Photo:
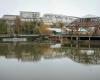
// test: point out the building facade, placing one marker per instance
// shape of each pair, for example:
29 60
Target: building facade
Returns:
11 22
29 16
53 18
10 19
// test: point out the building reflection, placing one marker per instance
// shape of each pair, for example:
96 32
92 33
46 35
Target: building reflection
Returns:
85 53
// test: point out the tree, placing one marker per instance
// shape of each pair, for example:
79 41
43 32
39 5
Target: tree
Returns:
17 24
61 25
3 27
27 27
44 29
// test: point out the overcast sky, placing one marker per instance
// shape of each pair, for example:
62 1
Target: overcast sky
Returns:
65 7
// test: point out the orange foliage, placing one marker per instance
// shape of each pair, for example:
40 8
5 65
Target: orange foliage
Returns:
44 29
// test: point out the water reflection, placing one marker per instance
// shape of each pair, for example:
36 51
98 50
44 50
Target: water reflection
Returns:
81 52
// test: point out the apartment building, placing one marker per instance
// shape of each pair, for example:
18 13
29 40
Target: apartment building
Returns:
29 16
54 18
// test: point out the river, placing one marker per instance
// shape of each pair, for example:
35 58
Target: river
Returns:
50 61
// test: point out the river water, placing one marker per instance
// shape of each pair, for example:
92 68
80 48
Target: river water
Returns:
50 61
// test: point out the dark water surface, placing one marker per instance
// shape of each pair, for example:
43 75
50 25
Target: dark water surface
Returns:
50 61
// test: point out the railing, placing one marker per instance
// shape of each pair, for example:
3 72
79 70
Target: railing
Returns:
5 35
17 35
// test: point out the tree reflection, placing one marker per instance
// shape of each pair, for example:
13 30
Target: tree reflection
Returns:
34 52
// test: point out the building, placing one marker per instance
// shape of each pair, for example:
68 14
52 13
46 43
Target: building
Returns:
11 22
10 19
29 16
87 26
53 18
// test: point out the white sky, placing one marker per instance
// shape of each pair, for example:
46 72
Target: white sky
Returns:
65 7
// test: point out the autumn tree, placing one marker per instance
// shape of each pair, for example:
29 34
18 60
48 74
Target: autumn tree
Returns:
44 29
17 24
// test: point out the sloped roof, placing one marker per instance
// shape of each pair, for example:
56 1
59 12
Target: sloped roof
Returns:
86 22
89 16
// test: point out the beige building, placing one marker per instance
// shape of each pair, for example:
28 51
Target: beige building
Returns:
11 22
10 19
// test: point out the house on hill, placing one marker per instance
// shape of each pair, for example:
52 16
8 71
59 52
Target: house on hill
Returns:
85 26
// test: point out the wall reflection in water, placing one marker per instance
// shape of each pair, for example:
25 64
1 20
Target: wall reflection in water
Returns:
81 52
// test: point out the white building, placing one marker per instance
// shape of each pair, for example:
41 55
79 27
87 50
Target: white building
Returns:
55 29
53 18
29 16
